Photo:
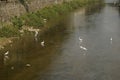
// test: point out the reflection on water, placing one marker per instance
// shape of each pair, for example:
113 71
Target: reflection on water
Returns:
78 48
27 51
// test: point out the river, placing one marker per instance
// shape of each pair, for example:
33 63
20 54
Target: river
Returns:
83 46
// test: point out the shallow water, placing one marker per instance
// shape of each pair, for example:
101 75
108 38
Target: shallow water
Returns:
63 56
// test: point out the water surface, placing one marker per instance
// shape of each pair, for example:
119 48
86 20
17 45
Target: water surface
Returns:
62 57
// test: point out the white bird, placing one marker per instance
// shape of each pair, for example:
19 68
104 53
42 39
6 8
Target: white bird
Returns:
6 58
83 48
45 20
43 43
28 65
6 53
36 33
111 39
80 39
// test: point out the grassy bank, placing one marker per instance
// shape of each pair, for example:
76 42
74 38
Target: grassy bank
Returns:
40 18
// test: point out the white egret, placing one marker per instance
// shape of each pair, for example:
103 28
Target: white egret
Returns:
36 33
43 43
83 48
111 39
28 65
80 39
6 53
45 20
6 57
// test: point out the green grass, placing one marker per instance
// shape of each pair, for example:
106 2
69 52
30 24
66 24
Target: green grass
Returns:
9 31
36 19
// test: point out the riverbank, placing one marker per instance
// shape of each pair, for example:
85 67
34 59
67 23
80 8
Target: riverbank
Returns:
37 20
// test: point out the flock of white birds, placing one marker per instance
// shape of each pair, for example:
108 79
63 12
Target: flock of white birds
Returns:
6 54
84 48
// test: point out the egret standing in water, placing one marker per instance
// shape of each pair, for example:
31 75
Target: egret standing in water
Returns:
111 39
45 20
6 53
80 39
43 43
36 34
27 65
6 57
83 48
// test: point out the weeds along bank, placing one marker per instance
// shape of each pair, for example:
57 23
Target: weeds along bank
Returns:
39 18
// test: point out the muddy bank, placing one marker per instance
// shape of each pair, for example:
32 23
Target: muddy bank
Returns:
6 41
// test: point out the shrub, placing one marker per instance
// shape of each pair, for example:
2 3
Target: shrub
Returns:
34 20
8 31
17 22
